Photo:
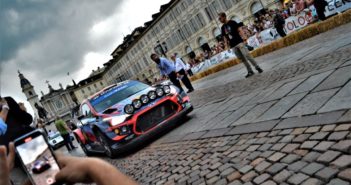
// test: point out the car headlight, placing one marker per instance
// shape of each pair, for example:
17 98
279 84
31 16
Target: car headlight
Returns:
144 99
116 120
152 95
167 89
129 109
136 104
159 92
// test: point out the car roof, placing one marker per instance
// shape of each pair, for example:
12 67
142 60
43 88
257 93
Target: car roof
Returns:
109 87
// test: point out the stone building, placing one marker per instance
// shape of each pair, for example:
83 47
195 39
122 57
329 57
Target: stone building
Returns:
186 27
91 85
58 102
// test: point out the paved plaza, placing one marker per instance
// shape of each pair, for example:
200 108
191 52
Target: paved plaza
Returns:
288 125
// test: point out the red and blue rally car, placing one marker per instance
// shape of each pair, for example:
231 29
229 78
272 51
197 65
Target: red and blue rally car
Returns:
125 115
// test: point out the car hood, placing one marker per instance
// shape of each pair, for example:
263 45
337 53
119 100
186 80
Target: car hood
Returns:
118 108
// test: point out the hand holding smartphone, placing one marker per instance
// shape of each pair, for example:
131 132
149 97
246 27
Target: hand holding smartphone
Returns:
37 158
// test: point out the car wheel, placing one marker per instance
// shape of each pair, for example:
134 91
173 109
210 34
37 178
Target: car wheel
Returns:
106 144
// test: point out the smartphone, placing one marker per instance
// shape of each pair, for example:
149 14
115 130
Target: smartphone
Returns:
37 158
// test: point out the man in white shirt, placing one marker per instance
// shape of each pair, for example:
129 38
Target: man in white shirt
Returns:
180 68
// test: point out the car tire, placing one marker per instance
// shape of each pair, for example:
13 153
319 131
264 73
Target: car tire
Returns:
106 143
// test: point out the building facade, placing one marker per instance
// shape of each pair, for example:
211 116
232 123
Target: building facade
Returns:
91 85
58 102
181 26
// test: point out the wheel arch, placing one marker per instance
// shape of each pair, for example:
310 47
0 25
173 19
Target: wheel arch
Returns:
79 136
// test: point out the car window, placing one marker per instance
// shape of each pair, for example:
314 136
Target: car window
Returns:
85 110
116 95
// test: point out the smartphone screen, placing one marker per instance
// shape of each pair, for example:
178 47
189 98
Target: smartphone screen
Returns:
37 158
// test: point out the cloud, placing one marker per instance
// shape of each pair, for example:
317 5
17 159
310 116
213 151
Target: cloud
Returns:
47 39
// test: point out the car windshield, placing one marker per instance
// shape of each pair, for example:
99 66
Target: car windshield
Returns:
53 136
116 94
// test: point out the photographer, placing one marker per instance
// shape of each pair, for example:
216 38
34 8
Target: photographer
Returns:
4 109
73 170
17 121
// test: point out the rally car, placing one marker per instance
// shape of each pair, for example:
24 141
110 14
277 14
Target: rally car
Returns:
124 116
40 166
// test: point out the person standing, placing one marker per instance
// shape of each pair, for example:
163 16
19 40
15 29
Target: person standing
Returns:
62 127
279 23
17 121
230 31
167 69
320 8
180 70
4 109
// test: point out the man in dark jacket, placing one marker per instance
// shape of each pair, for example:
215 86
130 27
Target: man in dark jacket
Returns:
17 121
279 23
320 8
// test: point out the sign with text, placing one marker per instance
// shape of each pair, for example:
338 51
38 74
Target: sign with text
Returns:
337 6
297 22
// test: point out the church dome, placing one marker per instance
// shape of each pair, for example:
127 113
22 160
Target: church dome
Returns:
24 81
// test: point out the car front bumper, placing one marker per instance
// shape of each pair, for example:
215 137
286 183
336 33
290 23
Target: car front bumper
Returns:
140 140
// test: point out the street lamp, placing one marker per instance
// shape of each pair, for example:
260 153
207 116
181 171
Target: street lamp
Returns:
161 49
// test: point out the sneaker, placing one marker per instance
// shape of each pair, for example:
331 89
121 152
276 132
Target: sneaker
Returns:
259 70
249 74
189 91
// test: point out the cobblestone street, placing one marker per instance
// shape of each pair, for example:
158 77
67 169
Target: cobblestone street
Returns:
288 125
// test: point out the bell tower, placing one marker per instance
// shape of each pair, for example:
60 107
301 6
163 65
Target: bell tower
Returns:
28 90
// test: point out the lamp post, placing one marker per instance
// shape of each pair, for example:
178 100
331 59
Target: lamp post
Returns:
159 49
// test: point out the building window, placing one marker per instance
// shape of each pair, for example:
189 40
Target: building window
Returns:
208 13
145 61
194 25
200 20
30 93
226 4
102 84
83 91
95 86
89 89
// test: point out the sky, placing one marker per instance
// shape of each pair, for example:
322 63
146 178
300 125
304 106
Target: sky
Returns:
47 39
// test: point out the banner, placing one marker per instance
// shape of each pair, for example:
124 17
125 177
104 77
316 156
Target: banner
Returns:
297 22
337 6
264 37
220 57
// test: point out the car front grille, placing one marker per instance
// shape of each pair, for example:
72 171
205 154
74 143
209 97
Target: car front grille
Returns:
155 116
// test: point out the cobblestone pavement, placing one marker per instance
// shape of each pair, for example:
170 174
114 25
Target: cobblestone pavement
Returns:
288 125
307 155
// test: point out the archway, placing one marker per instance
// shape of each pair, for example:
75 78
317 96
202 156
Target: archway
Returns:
217 34
190 52
236 19
257 9
203 44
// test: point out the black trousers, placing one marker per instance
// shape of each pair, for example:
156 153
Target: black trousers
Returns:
320 13
173 78
68 142
186 80
281 31
190 72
